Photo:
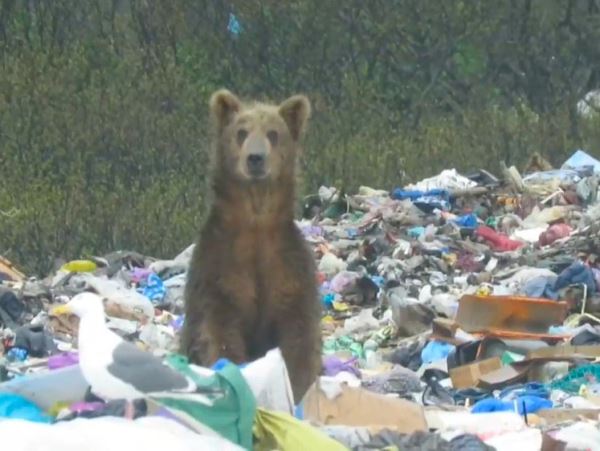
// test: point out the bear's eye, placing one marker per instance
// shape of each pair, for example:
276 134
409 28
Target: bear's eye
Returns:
272 135
241 136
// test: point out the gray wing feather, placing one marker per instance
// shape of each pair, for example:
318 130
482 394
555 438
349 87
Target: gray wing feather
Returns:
144 371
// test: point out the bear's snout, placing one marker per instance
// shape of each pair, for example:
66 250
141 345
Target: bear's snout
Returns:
256 164
255 155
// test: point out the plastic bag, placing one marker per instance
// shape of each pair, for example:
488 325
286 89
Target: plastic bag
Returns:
17 407
119 297
282 431
227 404
448 179
436 350
108 434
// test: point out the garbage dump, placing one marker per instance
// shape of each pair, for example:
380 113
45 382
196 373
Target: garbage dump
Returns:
459 312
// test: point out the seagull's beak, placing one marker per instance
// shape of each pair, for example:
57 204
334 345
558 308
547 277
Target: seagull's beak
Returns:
61 310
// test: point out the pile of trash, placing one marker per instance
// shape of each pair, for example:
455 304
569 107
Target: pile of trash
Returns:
460 311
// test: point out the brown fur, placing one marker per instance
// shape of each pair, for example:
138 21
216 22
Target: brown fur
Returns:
537 163
251 285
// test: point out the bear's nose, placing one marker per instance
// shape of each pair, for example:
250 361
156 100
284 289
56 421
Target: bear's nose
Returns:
256 162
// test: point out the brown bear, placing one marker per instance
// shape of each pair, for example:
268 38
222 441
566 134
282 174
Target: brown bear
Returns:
251 284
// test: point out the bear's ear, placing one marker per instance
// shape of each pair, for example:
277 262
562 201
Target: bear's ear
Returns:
295 111
223 106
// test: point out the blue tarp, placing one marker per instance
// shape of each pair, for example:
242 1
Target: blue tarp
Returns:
581 159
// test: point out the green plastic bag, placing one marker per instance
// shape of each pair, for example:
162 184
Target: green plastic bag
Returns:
227 404
278 430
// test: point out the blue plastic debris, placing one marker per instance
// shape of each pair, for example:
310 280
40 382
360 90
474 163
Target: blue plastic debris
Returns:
17 407
234 26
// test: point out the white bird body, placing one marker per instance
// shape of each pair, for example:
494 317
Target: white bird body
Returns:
114 368
94 362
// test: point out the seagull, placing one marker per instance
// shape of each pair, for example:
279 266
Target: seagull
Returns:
113 367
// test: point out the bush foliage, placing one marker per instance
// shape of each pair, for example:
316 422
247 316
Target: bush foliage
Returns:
103 103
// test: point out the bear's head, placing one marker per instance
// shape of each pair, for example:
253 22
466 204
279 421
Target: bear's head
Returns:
258 143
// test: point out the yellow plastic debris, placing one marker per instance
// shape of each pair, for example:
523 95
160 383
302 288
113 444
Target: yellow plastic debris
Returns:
328 319
55 409
340 306
79 266
278 430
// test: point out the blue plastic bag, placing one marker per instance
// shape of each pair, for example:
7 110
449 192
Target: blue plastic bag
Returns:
524 404
466 221
17 407
154 289
425 200
233 26
436 350
416 232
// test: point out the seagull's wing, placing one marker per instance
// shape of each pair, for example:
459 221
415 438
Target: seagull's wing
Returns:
145 372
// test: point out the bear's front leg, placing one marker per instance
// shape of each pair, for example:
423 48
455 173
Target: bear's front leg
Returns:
300 344
211 337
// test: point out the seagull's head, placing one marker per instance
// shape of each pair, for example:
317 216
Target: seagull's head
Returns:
83 304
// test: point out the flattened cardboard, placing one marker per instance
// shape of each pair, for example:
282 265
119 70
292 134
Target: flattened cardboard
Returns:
509 313
467 376
554 416
9 269
566 351
359 407
506 375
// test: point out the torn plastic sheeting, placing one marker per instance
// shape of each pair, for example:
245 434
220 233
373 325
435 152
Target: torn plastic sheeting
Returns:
18 407
108 433
117 294
46 389
509 313
274 430
581 435
581 159
484 425
448 179
564 175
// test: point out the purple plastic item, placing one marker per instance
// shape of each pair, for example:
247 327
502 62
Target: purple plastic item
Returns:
343 280
333 365
79 407
62 360
312 230
139 274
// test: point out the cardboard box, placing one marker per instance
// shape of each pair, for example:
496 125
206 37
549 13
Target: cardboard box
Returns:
566 351
509 374
514 314
554 416
467 376
359 407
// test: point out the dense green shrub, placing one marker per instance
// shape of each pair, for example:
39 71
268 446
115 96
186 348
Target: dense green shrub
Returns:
104 138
